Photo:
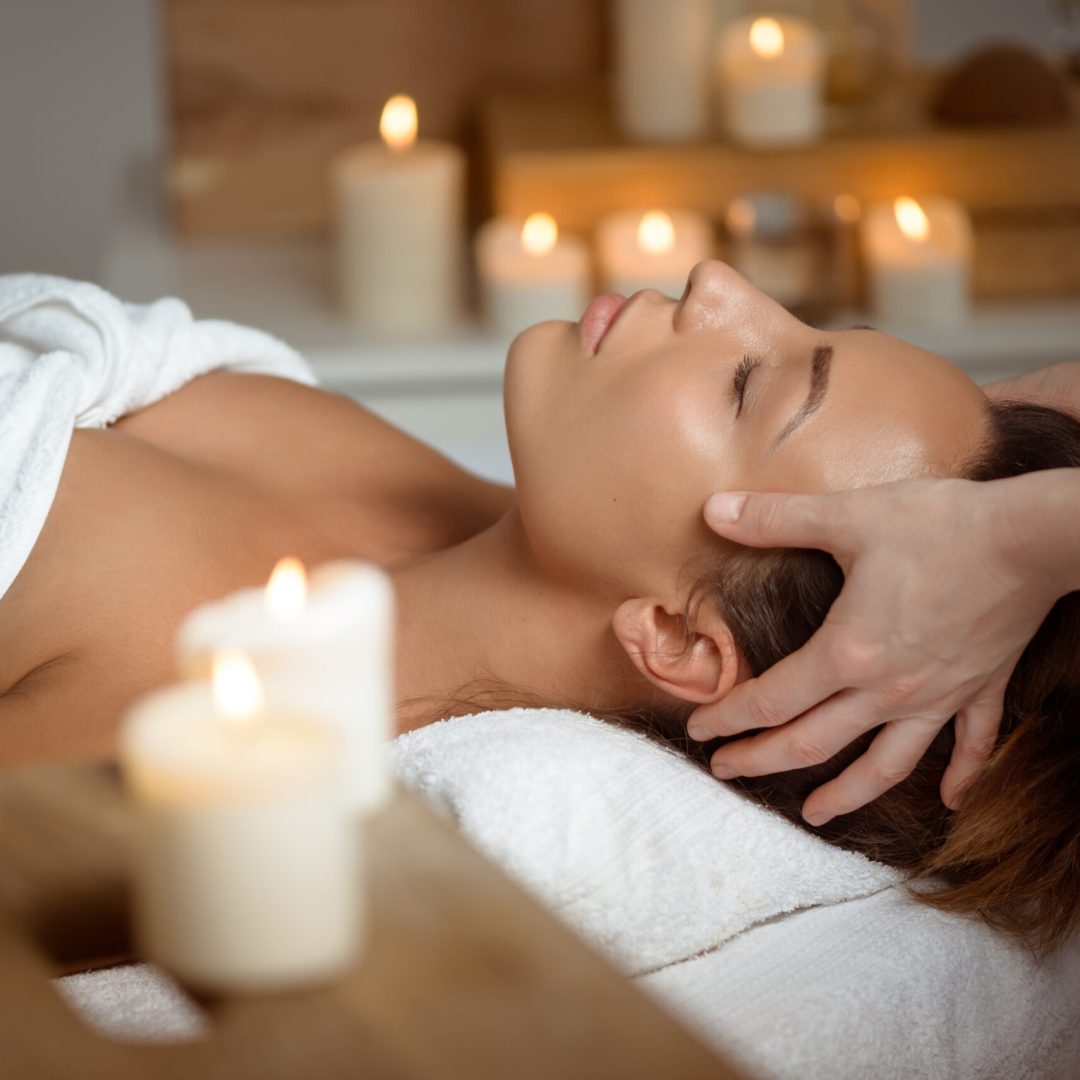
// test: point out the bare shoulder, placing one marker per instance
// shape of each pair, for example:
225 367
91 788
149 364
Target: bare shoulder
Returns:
294 437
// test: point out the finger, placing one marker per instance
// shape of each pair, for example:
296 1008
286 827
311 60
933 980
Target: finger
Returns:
809 740
890 758
791 687
977 728
765 519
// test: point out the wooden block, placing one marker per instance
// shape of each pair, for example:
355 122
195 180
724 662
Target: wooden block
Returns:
464 977
561 152
263 93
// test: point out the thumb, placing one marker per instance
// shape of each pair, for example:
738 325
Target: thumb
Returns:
765 519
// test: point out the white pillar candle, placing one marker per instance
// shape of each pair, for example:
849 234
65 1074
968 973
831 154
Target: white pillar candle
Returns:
771 76
918 260
326 650
530 272
399 207
656 249
662 68
247 869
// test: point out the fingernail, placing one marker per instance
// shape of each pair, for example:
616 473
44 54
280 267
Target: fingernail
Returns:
723 771
817 818
698 731
724 506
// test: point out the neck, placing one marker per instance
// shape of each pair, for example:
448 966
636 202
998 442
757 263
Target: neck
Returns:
481 616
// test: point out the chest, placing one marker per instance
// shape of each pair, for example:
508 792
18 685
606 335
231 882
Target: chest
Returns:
187 503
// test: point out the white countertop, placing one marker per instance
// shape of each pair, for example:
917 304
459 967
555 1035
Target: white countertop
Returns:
285 287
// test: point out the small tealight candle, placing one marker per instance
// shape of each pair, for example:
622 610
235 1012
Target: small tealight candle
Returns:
400 206
918 260
662 68
323 649
529 272
771 78
247 870
652 250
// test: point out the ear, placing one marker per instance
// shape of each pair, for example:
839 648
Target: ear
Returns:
701 667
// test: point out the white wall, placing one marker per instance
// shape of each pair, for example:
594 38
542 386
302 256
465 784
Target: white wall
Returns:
81 101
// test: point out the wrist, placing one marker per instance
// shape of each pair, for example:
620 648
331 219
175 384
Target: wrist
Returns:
1041 528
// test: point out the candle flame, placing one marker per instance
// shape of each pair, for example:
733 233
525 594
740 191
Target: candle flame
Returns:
767 38
237 692
286 591
911 218
539 234
398 123
656 233
847 208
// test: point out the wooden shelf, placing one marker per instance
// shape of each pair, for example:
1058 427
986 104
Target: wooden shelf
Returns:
560 152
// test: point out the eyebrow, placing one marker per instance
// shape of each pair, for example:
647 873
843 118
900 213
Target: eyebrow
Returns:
819 383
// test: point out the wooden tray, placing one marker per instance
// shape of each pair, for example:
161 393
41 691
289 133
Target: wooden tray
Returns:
465 976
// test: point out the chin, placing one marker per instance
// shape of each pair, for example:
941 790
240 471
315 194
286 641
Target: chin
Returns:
533 380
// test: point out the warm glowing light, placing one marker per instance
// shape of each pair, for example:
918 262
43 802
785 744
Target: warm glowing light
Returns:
539 233
398 123
911 218
741 217
847 208
767 38
237 693
656 234
286 591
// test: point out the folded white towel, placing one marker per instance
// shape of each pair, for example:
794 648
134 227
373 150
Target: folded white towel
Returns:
641 852
801 960
73 355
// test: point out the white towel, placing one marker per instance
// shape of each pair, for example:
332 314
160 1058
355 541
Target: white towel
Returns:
646 856
73 355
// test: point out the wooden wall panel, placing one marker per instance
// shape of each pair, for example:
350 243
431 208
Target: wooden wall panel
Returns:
263 93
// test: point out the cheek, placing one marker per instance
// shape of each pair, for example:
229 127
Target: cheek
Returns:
613 491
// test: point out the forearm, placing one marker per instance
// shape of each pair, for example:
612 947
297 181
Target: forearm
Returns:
1043 518
1057 385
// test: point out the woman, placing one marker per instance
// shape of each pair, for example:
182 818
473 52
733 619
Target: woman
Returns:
594 584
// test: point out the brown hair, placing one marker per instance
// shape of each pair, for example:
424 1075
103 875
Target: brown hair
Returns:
1011 854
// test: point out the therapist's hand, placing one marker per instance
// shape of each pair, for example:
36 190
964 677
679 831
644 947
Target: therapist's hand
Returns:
936 608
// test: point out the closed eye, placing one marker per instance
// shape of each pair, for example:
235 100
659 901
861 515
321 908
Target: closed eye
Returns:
742 373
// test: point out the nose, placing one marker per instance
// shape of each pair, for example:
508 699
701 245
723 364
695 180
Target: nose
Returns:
714 293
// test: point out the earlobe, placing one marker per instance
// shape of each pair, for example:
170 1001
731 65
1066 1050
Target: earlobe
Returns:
700 666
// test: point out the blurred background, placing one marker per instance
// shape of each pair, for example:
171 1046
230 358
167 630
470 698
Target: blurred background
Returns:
226 151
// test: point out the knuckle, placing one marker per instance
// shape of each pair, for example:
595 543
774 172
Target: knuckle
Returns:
763 714
805 751
977 748
901 690
857 661
886 774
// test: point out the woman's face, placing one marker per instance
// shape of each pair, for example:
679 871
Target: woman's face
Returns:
615 453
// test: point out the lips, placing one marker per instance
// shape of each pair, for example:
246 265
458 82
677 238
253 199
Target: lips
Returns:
598 318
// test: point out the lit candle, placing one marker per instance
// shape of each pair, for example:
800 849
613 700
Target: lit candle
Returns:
918 260
400 211
656 249
771 72
662 68
325 650
247 869
530 272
